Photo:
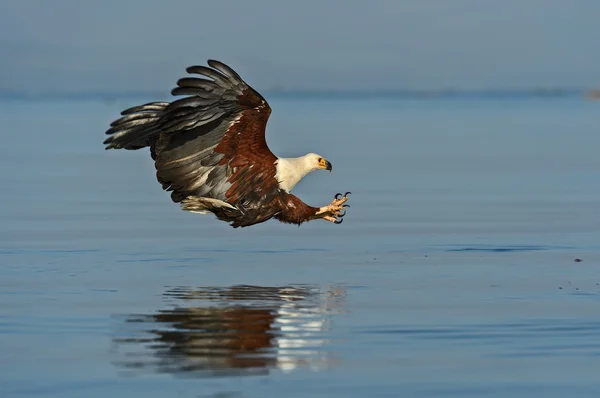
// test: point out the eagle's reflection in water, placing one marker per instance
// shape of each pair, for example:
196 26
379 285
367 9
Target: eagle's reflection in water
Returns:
236 330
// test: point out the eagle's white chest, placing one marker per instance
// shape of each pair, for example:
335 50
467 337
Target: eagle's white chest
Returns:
290 171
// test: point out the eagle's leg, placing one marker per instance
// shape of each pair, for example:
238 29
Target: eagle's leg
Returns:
333 211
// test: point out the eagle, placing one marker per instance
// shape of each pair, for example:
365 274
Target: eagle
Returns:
209 150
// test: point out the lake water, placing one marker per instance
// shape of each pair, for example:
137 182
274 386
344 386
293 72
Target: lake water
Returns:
454 273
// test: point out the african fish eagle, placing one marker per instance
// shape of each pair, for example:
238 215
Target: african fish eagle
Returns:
209 150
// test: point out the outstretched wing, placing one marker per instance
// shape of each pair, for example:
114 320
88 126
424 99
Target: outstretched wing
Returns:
212 142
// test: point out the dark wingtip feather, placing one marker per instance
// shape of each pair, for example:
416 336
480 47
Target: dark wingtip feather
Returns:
224 69
150 106
135 127
214 74
108 140
192 68
195 82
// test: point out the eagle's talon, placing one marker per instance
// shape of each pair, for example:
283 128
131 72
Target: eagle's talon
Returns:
347 193
336 210
341 220
339 200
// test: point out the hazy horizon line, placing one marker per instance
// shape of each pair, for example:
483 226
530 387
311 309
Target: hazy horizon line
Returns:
349 93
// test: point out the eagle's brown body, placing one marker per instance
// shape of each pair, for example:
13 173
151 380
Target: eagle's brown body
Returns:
210 150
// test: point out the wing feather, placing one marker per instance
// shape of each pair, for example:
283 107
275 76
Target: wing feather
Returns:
151 106
210 142
137 126
216 127
225 70
219 78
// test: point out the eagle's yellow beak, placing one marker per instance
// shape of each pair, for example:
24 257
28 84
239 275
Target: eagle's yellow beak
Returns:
324 164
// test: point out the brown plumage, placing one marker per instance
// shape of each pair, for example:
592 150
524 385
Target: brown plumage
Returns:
210 151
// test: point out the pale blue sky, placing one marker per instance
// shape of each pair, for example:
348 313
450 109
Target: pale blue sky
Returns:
108 45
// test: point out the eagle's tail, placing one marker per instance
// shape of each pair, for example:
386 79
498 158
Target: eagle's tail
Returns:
136 128
202 205
223 210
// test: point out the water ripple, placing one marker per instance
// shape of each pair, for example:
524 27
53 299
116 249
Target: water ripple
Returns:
561 337
502 249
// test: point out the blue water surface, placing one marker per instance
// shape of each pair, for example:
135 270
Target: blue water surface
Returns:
454 273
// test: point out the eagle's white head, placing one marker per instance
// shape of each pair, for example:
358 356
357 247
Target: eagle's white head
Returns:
292 170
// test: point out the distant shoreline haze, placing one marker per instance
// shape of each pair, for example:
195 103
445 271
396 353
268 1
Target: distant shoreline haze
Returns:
423 94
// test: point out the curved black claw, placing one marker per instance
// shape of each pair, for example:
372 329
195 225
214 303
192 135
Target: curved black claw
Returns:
337 196
345 205
341 220
342 214
347 193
